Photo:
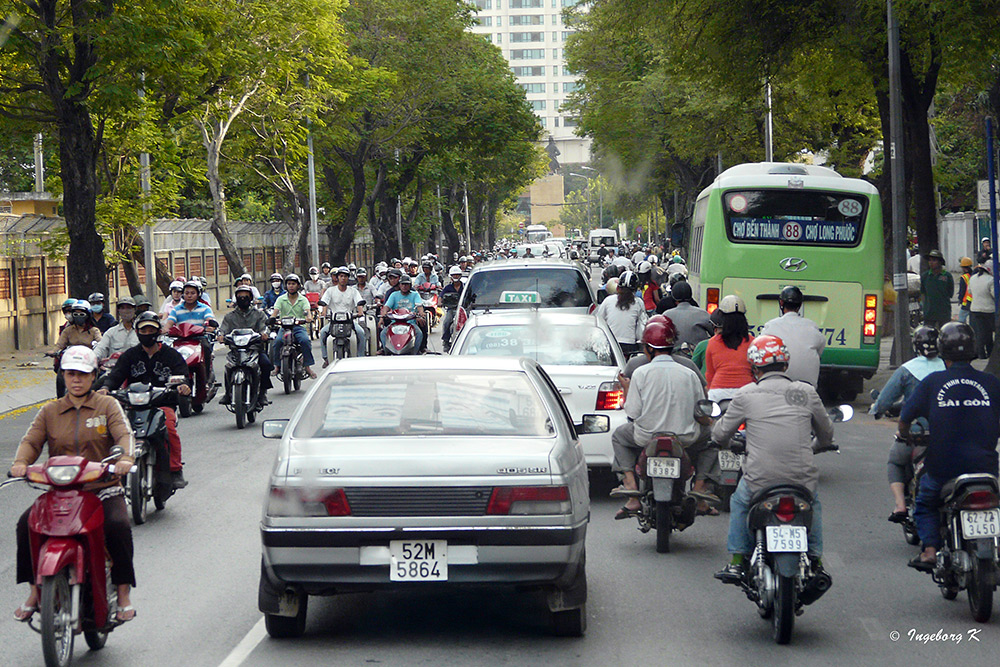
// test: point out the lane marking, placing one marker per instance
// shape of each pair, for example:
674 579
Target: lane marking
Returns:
873 628
246 645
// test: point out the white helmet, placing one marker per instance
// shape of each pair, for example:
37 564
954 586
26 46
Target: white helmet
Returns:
644 267
176 285
732 303
78 358
653 259
455 271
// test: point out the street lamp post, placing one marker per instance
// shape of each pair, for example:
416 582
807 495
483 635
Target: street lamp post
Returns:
901 348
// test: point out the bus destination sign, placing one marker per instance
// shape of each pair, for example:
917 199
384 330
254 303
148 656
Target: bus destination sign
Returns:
770 230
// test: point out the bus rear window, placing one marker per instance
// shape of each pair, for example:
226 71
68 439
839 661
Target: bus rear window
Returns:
795 217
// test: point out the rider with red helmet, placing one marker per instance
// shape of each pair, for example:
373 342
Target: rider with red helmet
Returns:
661 399
780 414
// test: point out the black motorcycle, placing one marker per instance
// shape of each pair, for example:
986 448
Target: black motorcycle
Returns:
291 365
243 375
150 478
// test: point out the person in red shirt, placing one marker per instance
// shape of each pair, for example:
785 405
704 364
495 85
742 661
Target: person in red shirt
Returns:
726 365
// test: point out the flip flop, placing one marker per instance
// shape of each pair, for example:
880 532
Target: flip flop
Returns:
622 492
921 565
707 511
626 513
24 613
898 517
125 610
708 497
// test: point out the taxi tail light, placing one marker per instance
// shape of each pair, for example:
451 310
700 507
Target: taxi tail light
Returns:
610 396
593 307
461 317
285 501
980 500
529 500
711 299
869 323
785 511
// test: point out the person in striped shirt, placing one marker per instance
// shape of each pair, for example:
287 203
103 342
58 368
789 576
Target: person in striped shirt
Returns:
190 310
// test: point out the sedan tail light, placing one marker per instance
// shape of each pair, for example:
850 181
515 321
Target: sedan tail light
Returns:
610 396
520 500
288 501
461 317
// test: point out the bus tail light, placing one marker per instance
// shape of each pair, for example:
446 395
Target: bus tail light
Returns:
869 324
711 299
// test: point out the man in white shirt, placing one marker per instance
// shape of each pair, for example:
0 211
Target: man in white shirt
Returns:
342 298
801 336
121 336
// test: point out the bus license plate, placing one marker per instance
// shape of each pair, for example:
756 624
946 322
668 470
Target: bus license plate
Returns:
786 538
730 461
981 524
664 467
418 560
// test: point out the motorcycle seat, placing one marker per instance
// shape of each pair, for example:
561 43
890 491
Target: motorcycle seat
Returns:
781 489
948 490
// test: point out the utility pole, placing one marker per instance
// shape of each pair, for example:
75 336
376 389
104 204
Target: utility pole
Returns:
768 126
465 202
901 343
149 256
313 222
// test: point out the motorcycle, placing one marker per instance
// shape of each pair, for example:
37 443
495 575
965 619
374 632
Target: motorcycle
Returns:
401 335
60 384
187 339
151 478
780 578
66 528
449 302
243 374
918 443
291 365
316 323
341 343
432 311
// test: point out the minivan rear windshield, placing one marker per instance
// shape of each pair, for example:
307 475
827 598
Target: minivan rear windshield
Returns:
555 288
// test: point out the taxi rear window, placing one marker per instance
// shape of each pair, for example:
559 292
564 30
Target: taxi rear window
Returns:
556 288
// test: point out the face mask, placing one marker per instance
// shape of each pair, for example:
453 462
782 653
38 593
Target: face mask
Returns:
147 339
80 319
276 285
126 315
243 302
98 308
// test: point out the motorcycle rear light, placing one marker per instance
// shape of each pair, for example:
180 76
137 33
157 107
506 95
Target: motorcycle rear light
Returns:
869 322
711 299
62 475
786 509
610 396
980 500
522 500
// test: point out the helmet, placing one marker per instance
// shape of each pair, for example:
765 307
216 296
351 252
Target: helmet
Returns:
732 304
142 300
313 271
675 278
653 259
407 261
659 333
147 318
454 271
343 269
176 285
78 358
81 304
246 276
405 280
677 259
965 262
126 301
628 280
193 283
275 276
791 296
68 304
381 270
957 342
243 288
203 280
293 277
394 272
936 254
362 271
325 265
352 266
96 297
925 341
681 291
427 264
766 351
644 267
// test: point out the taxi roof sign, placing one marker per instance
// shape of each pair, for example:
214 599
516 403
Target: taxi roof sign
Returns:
520 297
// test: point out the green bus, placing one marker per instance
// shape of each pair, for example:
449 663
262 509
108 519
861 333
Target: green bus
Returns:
761 227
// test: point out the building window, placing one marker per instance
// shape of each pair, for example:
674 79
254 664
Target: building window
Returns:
570 86
537 105
525 4
499 21
527 37
485 20
533 87
566 33
55 279
527 19
555 53
29 281
483 4
555 36
527 54
542 122
488 38
528 71
570 122
555 121
499 38
556 19
566 71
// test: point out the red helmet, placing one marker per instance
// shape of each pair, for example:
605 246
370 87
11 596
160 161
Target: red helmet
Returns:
660 332
767 350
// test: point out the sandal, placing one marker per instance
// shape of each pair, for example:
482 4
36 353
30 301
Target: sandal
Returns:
125 610
626 513
702 495
24 613
704 509
622 492
921 565
898 517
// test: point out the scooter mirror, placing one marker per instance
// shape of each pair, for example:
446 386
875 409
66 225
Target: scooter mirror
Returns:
114 454
842 413
707 408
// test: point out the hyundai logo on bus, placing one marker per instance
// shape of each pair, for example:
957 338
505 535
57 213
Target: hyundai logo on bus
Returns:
793 264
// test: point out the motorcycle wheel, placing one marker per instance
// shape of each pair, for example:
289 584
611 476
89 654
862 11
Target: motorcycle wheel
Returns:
57 633
286 373
197 407
981 584
297 375
784 609
664 524
184 406
239 404
724 493
137 492
95 639
60 386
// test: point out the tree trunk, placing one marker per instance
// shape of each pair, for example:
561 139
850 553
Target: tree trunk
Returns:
452 239
220 222
163 274
341 236
85 267
131 277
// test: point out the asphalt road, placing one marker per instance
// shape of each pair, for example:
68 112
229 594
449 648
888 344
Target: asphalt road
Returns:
198 561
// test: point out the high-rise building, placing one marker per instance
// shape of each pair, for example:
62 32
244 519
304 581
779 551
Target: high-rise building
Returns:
532 36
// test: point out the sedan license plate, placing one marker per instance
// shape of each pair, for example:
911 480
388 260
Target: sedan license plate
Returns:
418 560
664 467
985 523
730 461
786 538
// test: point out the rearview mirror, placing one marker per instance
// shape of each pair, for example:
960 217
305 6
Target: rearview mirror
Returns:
707 408
175 380
273 428
841 413
594 424
114 454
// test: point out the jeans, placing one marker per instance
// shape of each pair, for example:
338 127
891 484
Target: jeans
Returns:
449 320
302 338
742 541
359 331
925 511
963 315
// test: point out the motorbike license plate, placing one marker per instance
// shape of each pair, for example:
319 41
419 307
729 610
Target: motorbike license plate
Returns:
667 467
730 461
985 523
418 560
786 538
400 329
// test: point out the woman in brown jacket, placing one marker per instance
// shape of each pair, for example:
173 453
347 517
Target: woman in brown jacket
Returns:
82 423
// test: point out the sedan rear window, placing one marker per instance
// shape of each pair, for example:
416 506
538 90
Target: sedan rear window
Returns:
559 345
554 287
412 403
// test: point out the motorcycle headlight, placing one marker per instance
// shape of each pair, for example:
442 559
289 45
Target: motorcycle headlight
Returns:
62 475
242 341
186 352
138 398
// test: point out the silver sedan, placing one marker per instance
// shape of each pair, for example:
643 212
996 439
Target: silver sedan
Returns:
426 471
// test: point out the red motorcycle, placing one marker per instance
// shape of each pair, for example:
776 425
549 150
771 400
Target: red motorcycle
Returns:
187 339
66 534
400 337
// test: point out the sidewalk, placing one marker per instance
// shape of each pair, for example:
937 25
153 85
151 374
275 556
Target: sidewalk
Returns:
26 379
